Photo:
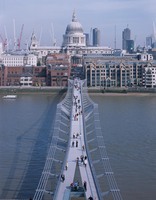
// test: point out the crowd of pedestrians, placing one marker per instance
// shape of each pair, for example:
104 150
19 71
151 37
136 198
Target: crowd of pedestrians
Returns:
76 141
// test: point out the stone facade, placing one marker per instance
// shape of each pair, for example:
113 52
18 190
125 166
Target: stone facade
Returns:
119 73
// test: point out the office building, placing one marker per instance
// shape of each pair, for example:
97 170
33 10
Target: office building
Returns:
119 72
87 39
130 46
149 42
126 35
96 37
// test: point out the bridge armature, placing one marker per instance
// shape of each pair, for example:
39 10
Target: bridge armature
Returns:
77 165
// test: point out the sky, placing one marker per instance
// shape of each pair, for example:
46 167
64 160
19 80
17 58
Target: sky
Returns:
48 17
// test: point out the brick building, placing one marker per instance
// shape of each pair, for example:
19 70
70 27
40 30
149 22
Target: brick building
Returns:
56 72
22 75
58 69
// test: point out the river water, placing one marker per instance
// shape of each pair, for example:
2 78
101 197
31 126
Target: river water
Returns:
129 129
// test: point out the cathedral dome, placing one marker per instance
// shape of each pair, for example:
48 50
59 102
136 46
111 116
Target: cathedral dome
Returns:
74 36
74 26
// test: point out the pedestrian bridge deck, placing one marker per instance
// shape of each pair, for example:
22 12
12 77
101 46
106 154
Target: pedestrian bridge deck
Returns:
77 115
76 136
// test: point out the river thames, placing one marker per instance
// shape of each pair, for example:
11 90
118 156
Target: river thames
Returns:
128 124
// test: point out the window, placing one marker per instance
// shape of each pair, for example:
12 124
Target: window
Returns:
75 40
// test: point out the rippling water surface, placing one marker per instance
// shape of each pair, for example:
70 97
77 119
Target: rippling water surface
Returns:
25 133
129 129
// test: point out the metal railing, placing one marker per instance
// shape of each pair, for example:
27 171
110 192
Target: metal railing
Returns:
55 158
96 150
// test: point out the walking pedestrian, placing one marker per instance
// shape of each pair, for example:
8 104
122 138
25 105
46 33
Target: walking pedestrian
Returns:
63 177
76 143
85 162
85 185
66 166
72 143
77 160
82 157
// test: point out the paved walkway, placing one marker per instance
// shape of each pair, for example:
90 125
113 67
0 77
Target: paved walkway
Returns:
76 150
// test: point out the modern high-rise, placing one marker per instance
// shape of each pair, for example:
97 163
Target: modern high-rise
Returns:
130 46
149 41
96 37
87 39
126 35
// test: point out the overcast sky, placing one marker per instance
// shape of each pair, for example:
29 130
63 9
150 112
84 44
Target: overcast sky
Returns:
39 15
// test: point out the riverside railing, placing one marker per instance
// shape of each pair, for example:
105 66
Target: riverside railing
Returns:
55 157
96 150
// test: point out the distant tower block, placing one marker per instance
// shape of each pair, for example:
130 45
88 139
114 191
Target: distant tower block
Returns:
87 39
149 42
130 46
126 35
96 37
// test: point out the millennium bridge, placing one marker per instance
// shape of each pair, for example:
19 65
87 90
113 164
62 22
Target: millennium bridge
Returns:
77 165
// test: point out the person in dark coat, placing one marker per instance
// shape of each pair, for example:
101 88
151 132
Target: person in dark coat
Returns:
85 185
62 177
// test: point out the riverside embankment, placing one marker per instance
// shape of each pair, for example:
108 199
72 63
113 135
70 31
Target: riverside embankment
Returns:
91 90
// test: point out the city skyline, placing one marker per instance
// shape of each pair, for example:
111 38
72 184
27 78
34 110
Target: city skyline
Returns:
42 15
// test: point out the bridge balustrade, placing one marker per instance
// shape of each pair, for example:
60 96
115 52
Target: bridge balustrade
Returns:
56 154
98 158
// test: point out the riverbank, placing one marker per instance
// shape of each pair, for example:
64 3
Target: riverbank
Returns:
29 90
122 94
128 91
91 90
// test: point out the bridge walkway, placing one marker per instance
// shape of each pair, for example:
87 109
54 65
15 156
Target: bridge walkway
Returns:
74 152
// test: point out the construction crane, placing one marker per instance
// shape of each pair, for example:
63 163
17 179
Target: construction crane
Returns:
52 35
154 31
4 42
20 37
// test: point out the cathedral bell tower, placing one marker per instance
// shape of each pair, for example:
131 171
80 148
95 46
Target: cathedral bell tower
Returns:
33 42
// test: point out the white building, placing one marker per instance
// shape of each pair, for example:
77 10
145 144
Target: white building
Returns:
145 56
74 43
74 35
14 60
149 76
26 80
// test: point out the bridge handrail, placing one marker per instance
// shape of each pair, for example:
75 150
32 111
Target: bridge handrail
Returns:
64 163
110 177
87 149
52 149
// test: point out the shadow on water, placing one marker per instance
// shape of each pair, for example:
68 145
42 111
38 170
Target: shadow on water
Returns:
32 172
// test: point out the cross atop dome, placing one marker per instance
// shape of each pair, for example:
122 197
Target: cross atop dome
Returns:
74 17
